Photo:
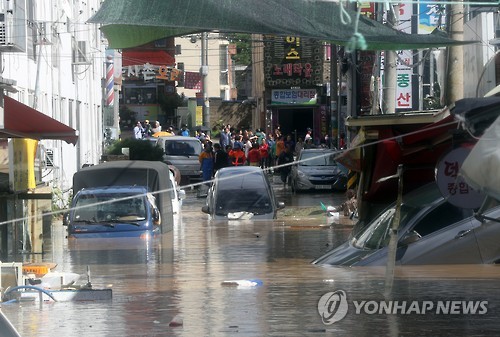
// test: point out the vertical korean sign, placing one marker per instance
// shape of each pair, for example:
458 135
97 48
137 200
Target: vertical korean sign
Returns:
199 109
404 90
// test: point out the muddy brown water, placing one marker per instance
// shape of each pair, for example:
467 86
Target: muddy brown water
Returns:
181 274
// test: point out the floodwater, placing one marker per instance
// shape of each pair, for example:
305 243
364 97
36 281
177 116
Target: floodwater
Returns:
180 275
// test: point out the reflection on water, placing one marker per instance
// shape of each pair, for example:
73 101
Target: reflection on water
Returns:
180 273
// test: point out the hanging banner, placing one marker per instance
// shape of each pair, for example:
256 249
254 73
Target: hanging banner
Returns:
23 164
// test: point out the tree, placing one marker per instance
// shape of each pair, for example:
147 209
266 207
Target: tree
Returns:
243 44
139 149
170 102
127 117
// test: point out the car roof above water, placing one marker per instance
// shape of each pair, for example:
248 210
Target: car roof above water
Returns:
248 176
115 189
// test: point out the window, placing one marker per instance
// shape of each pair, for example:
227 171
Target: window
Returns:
442 216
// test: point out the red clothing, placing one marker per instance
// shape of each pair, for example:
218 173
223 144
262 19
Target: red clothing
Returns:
280 147
237 157
254 157
264 150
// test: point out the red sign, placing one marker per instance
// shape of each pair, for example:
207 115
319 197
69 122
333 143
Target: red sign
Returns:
452 185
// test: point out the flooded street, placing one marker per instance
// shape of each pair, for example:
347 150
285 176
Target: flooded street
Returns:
181 274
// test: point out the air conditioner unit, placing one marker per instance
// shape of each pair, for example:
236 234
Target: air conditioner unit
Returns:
13 27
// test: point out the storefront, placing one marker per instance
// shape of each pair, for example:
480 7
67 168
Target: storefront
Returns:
24 204
296 110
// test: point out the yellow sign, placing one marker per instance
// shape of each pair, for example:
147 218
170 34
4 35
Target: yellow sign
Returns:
24 163
199 115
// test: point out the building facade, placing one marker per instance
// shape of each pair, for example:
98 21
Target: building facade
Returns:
52 62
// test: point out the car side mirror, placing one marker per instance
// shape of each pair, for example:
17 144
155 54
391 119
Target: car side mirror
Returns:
205 209
156 216
281 205
65 219
409 238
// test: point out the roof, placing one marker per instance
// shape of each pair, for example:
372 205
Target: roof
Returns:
239 169
21 121
131 23
178 138
154 174
114 189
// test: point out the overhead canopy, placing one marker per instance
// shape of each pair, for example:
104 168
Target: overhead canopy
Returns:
131 23
21 121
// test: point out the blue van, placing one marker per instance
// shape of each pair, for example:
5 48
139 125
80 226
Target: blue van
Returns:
114 211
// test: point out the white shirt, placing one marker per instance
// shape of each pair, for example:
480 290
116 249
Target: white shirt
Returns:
137 132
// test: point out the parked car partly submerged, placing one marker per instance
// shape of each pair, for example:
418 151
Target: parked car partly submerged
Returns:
241 192
432 231
123 211
317 169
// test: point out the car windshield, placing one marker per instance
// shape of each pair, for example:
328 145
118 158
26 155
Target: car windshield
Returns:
317 159
109 207
376 235
182 147
247 193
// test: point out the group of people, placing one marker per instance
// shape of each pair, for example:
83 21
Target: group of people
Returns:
273 151
147 130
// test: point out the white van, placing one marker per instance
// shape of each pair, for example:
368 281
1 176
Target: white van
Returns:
183 153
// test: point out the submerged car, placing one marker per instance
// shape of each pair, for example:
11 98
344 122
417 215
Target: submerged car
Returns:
317 170
109 212
182 152
241 192
431 231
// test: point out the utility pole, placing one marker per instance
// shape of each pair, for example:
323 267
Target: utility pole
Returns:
390 72
455 57
204 73
334 96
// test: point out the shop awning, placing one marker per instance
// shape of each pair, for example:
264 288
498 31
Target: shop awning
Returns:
131 23
21 121
141 57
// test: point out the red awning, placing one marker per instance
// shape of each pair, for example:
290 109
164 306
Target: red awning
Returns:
21 121
140 57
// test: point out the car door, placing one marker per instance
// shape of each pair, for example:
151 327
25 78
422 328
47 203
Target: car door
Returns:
446 238
487 234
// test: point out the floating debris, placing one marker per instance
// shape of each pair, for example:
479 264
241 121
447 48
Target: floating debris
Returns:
176 321
242 283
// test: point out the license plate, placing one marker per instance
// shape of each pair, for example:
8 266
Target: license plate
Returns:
323 187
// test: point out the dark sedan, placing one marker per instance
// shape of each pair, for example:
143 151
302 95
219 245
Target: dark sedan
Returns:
432 231
241 192
316 169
